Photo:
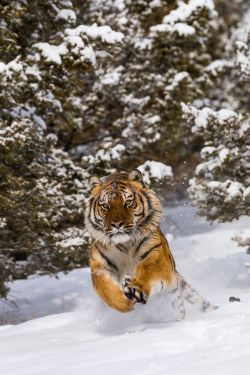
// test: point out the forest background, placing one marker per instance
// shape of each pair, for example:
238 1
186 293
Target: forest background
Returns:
88 87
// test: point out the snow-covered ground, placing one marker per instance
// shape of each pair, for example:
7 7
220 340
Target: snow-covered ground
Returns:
67 330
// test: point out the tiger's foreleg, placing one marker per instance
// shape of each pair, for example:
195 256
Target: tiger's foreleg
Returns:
108 288
152 274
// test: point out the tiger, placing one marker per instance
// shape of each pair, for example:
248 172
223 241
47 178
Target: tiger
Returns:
130 259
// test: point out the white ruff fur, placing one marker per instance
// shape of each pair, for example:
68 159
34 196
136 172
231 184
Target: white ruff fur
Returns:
106 240
120 238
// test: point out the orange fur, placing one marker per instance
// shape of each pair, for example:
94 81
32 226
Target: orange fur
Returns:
157 267
107 288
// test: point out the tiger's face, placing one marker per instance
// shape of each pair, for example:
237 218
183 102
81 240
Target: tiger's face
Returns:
121 208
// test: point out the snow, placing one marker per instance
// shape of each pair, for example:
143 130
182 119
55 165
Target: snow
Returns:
3 222
52 53
107 153
72 242
229 189
14 66
111 79
140 102
153 119
184 11
111 153
71 331
244 128
202 115
155 170
73 42
67 15
39 121
226 114
243 59
223 154
105 33
208 150
180 28
184 29
177 79
33 71
155 4
218 66
240 32
233 188
89 54
246 194
142 43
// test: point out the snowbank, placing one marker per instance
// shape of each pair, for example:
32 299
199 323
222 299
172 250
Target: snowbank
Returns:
84 336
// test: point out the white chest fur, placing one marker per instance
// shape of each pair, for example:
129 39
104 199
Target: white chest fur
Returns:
124 260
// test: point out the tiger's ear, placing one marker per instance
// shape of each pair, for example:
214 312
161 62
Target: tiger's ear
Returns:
136 175
94 181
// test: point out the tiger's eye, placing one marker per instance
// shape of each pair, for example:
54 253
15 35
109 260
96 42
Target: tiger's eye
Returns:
129 203
104 206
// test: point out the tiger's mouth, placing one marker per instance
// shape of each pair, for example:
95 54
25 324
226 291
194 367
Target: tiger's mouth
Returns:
120 237
121 234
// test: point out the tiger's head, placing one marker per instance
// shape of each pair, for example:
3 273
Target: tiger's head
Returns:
121 208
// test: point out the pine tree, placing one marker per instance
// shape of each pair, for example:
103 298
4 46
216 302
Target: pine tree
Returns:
166 49
221 186
46 61
42 196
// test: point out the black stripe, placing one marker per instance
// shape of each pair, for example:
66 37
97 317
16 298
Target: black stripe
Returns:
92 210
123 185
95 208
148 199
121 248
149 251
95 211
108 261
146 219
97 245
97 227
142 203
123 190
162 285
99 221
140 244
170 255
90 201
172 260
140 214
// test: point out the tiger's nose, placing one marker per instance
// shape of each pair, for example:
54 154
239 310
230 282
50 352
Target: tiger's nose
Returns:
117 224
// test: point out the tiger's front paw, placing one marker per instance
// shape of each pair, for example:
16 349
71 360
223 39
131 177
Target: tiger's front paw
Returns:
133 292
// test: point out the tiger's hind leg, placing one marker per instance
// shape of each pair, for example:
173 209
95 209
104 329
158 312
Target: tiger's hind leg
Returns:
178 301
193 297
